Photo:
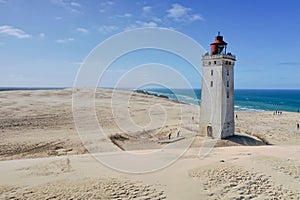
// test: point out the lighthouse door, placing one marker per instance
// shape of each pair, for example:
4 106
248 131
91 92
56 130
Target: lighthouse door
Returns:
209 131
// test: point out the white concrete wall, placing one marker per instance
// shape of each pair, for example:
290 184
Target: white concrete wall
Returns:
228 103
216 109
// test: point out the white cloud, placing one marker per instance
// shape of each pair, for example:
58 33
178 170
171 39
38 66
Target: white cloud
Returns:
75 4
106 29
70 6
58 18
147 8
11 31
149 24
196 17
82 30
180 13
64 40
126 15
140 24
156 19
107 3
42 35
105 6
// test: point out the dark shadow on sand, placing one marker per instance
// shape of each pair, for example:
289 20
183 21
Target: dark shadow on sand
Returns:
246 140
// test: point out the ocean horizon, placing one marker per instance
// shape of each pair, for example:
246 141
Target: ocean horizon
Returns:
254 100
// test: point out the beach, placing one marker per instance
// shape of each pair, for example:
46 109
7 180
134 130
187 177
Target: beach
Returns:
42 156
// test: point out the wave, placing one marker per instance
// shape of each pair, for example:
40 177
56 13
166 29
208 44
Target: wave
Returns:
249 109
245 100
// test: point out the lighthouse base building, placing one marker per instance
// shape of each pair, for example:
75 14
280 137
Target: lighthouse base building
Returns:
217 96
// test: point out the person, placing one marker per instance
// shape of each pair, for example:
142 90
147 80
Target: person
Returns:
170 135
178 133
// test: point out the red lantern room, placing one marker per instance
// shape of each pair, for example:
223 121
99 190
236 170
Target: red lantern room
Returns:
218 45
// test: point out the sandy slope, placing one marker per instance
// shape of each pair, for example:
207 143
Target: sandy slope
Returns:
40 125
227 173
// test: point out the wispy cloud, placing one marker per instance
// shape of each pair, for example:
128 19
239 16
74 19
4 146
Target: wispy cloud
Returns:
125 15
289 64
75 4
64 40
147 8
73 7
82 30
15 32
149 24
121 16
157 19
102 10
196 17
141 24
3 1
42 35
58 18
107 29
105 6
107 3
180 13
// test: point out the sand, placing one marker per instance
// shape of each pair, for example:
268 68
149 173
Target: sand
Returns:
43 157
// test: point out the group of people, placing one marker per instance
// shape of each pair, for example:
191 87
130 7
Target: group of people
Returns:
170 134
278 112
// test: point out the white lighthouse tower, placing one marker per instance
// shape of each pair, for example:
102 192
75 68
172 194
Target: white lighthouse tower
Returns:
217 98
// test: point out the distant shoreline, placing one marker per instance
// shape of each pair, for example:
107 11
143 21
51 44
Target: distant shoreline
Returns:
252 100
30 88
127 89
160 96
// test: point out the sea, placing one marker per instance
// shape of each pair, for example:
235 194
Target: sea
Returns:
244 100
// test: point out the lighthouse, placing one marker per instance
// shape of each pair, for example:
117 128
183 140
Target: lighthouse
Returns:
217 94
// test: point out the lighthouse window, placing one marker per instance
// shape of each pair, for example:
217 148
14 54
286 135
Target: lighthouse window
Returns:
229 63
211 84
209 63
227 83
215 62
227 95
211 72
227 72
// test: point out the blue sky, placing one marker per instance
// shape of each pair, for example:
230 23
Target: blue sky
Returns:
43 42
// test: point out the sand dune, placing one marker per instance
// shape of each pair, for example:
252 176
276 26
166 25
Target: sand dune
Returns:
42 156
